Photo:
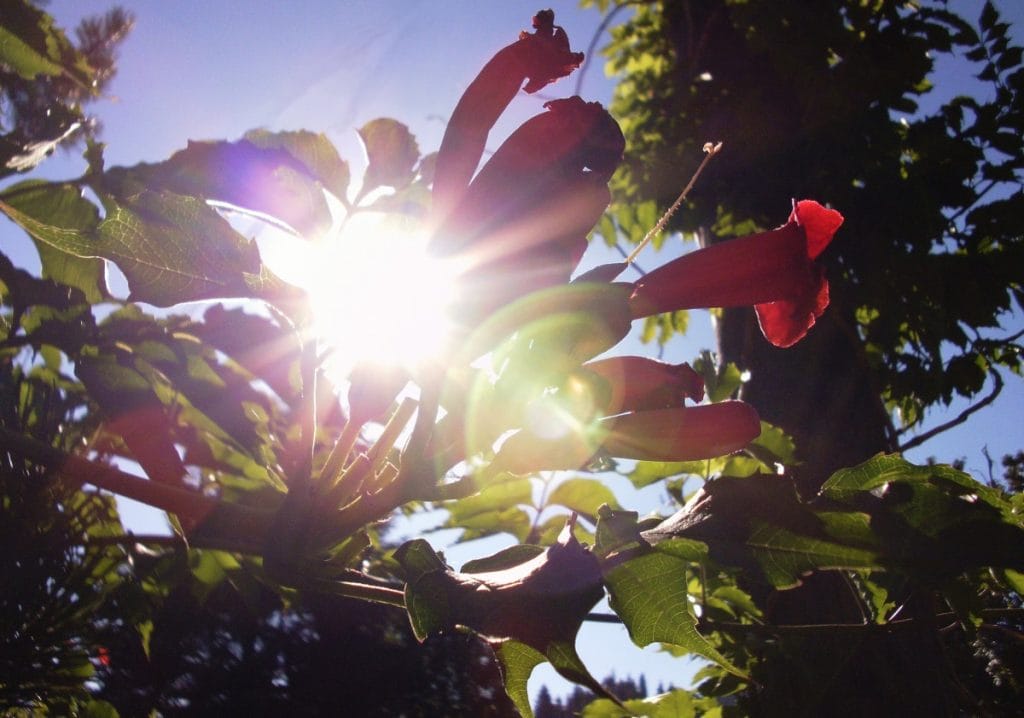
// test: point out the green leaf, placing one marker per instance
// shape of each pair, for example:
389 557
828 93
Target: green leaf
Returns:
736 597
426 588
278 175
649 472
616 530
892 468
720 382
84 273
517 662
649 594
1014 579
426 601
171 248
391 152
175 249
418 558
317 153
759 524
779 445
269 350
664 326
31 44
61 206
505 559
565 660
686 549
145 631
989 16
584 496
785 556
512 520
99 709
23 59
496 496
674 704
210 567
932 521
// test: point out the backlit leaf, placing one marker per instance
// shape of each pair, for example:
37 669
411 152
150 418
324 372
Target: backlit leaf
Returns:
584 496
517 663
62 207
759 524
649 594
313 150
279 175
391 151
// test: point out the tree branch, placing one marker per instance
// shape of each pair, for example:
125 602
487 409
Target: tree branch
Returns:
959 419
180 501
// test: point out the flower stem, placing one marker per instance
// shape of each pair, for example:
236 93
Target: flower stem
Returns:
330 475
378 454
364 592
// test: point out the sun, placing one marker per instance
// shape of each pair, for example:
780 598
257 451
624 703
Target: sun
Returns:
376 294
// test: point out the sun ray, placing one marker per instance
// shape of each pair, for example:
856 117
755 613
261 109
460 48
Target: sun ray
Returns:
376 295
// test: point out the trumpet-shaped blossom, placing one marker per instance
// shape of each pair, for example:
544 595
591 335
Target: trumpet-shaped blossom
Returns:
521 223
677 434
537 59
775 271
640 383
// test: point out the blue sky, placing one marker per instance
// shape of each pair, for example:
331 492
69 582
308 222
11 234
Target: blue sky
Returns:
212 69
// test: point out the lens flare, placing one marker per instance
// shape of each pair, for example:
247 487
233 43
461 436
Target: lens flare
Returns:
376 295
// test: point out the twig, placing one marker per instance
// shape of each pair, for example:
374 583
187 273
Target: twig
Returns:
764 629
961 417
815 628
130 539
593 45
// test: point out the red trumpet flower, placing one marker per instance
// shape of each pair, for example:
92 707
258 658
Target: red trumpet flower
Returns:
774 270
540 58
641 383
521 224
679 434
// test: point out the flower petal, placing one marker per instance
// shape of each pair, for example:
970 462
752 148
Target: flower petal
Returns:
772 270
762 267
540 247
540 58
679 434
523 222
820 224
683 434
785 322
640 383
573 147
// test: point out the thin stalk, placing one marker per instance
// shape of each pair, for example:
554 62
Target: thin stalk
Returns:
332 471
308 418
710 151
364 592
349 483
378 454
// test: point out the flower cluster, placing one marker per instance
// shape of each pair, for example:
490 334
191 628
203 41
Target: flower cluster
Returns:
518 228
